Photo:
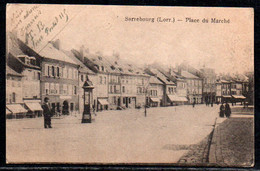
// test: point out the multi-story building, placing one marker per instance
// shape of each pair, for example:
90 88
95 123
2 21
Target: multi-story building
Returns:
169 87
156 89
131 81
194 87
84 74
30 69
59 78
209 85
14 94
101 68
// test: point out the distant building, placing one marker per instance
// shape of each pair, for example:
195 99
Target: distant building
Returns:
84 74
156 90
194 87
209 84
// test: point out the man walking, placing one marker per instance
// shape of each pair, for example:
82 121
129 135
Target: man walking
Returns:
47 113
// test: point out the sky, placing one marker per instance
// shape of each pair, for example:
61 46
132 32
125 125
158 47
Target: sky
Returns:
224 47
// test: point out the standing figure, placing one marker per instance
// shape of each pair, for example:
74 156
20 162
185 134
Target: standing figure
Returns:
194 102
211 103
222 110
227 110
47 113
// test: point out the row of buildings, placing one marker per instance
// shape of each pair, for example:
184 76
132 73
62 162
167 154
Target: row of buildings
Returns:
59 75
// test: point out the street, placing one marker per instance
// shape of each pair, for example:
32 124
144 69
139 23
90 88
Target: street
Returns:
114 136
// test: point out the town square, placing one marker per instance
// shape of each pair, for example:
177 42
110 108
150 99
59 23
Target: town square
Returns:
85 86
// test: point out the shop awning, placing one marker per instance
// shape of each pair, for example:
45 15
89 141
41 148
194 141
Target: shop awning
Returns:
103 101
239 96
16 108
172 98
227 96
154 99
7 111
34 106
182 99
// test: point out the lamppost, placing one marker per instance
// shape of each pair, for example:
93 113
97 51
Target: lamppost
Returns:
88 89
146 91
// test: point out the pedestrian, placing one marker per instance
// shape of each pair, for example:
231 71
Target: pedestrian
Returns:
212 104
227 110
222 110
193 104
47 113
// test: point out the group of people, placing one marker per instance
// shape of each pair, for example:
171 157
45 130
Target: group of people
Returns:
225 110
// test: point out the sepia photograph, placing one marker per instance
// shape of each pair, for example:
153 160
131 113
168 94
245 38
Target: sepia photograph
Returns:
108 84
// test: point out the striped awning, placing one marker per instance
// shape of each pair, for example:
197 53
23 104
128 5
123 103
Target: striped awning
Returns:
16 108
154 99
238 96
34 106
103 101
226 96
7 111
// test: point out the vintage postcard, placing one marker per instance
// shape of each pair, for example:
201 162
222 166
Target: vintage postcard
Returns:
130 84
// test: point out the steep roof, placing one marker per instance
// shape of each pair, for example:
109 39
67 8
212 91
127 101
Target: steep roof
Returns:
83 68
186 74
10 71
155 80
52 53
13 46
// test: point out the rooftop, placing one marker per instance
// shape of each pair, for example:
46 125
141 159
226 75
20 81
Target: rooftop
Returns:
10 71
186 74
52 53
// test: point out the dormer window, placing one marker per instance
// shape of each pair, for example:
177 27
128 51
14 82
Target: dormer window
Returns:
102 67
120 69
112 67
116 62
100 58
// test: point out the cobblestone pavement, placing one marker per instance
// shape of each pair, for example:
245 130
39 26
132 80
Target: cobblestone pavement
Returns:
233 141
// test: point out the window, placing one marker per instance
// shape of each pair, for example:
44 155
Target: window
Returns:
52 88
13 97
123 89
151 92
100 79
58 107
46 87
39 76
52 71
114 100
58 72
65 89
71 106
46 70
111 89
115 89
75 90
105 80
57 88
124 100
61 89
82 78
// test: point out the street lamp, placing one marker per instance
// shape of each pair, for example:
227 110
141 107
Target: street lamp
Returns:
146 91
88 88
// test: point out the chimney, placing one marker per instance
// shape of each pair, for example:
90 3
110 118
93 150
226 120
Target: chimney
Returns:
81 52
56 44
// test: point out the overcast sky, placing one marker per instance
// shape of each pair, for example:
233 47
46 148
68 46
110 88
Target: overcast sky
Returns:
224 47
